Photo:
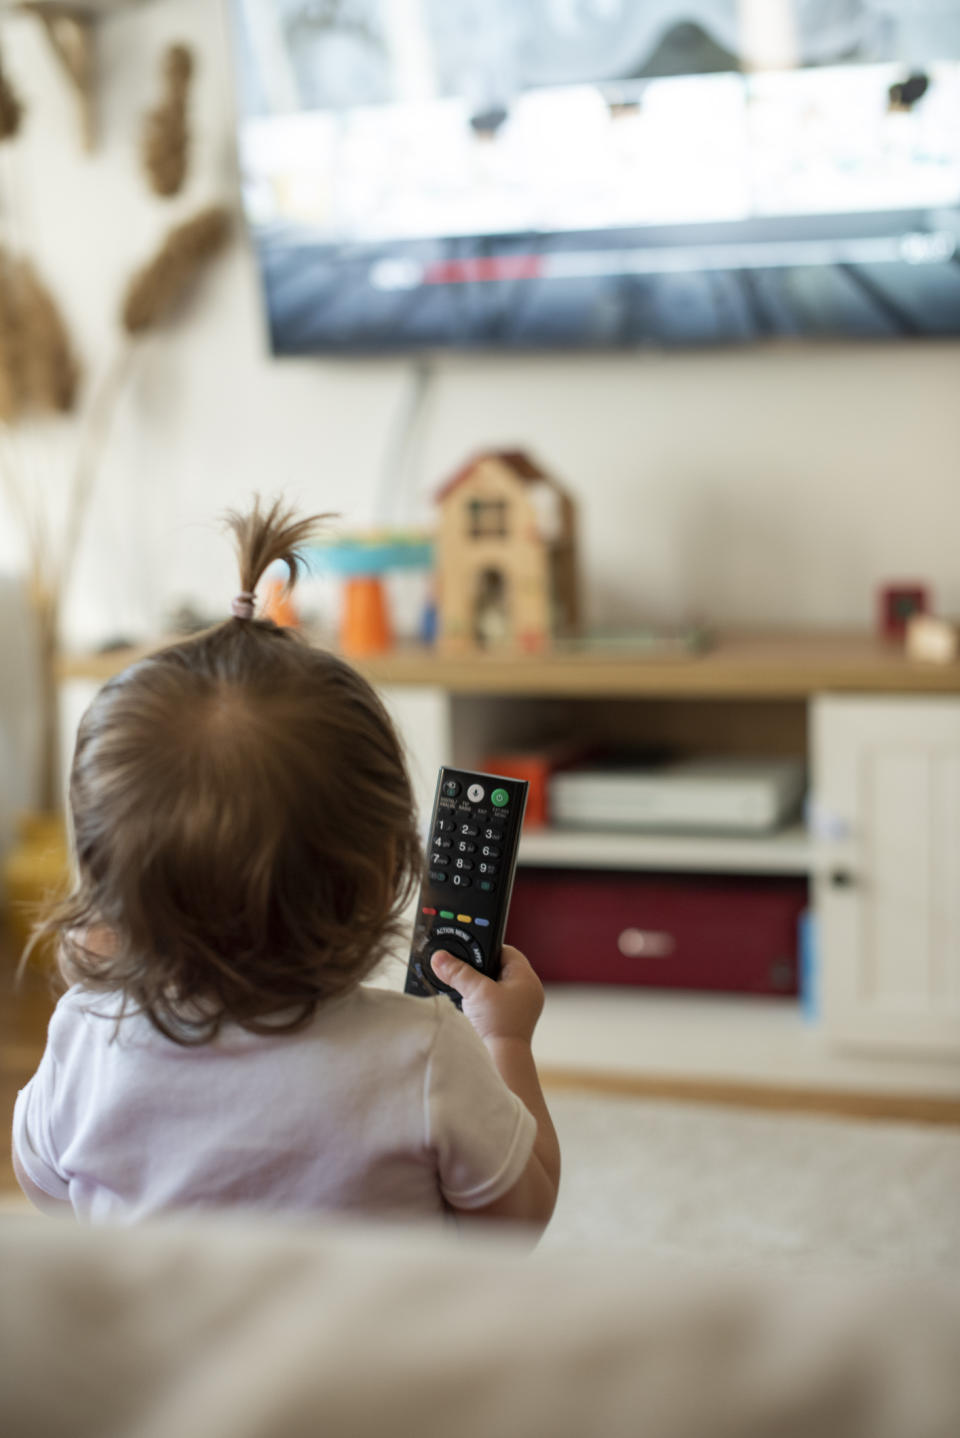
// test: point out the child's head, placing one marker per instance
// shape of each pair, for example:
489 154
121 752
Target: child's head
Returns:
243 821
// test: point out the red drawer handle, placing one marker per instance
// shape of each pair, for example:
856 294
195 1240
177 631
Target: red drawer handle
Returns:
646 944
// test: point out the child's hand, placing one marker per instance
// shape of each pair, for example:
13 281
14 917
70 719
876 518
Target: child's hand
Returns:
504 1008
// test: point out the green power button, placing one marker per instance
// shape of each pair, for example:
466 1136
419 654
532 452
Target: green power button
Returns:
500 797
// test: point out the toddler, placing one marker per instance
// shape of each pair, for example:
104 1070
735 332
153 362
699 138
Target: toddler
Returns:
245 847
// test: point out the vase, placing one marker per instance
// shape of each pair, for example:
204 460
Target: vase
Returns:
35 870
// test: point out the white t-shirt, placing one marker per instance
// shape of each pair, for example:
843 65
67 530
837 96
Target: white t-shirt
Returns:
386 1104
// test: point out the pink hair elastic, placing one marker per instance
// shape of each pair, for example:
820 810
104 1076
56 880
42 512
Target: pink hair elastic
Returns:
243 606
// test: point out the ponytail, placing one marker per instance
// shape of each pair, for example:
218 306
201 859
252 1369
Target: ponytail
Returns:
264 537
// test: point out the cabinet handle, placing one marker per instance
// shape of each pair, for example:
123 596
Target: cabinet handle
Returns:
842 879
645 944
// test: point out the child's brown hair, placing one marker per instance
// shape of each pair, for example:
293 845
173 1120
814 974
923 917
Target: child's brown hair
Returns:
243 822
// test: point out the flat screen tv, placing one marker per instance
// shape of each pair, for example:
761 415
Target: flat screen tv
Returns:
574 174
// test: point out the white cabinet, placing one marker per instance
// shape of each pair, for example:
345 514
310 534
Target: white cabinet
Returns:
884 867
886 777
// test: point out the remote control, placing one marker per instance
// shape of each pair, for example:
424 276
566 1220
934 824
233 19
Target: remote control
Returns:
471 860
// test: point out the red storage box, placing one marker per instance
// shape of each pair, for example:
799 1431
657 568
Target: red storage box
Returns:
721 934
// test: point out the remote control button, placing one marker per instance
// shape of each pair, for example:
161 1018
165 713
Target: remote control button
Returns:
486 885
486 868
431 984
451 788
482 923
465 847
445 826
460 880
490 851
442 843
428 911
500 798
464 919
455 941
468 831
446 913
475 793
464 863
437 876
495 834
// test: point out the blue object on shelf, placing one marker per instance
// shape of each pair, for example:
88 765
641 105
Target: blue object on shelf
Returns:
428 623
358 557
809 966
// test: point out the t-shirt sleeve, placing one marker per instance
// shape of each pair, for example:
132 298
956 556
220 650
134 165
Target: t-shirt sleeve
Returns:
482 1133
33 1145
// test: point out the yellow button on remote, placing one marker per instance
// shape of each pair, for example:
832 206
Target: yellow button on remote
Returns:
465 918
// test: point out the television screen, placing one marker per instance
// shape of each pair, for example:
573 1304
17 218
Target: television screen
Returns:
542 174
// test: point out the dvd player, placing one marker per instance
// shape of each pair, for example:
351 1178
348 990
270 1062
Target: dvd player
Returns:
731 795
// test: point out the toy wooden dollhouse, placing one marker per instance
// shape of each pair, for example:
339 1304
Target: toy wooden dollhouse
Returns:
506 576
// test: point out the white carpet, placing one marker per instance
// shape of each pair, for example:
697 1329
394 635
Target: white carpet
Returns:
695 1182
692 1183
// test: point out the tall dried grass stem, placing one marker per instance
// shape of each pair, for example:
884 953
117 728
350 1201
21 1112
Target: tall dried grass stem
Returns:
17 499
90 447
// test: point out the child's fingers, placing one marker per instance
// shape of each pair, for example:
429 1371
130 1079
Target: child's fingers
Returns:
460 976
513 962
516 969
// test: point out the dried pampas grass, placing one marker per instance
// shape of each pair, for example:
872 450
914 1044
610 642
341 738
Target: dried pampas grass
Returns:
156 289
51 374
11 337
165 145
39 372
11 109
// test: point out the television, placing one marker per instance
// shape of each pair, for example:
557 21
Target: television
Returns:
599 174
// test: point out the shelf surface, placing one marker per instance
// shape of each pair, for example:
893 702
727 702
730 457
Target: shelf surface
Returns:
605 1030
773 665
611 1037
786 851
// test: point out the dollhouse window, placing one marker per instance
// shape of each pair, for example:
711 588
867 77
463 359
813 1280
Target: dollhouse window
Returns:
487 518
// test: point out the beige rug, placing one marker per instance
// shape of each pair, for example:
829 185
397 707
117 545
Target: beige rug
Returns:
694 1182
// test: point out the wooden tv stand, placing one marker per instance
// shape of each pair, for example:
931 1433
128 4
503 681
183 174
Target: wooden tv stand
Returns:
881 735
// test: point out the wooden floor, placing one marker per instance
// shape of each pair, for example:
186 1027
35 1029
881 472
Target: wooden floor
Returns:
25 1009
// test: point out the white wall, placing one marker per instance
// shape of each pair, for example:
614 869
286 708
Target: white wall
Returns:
772 486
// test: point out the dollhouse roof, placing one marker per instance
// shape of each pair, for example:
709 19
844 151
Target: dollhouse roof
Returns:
521 464
543 491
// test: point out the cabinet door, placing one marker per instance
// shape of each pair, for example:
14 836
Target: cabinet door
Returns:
886 776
